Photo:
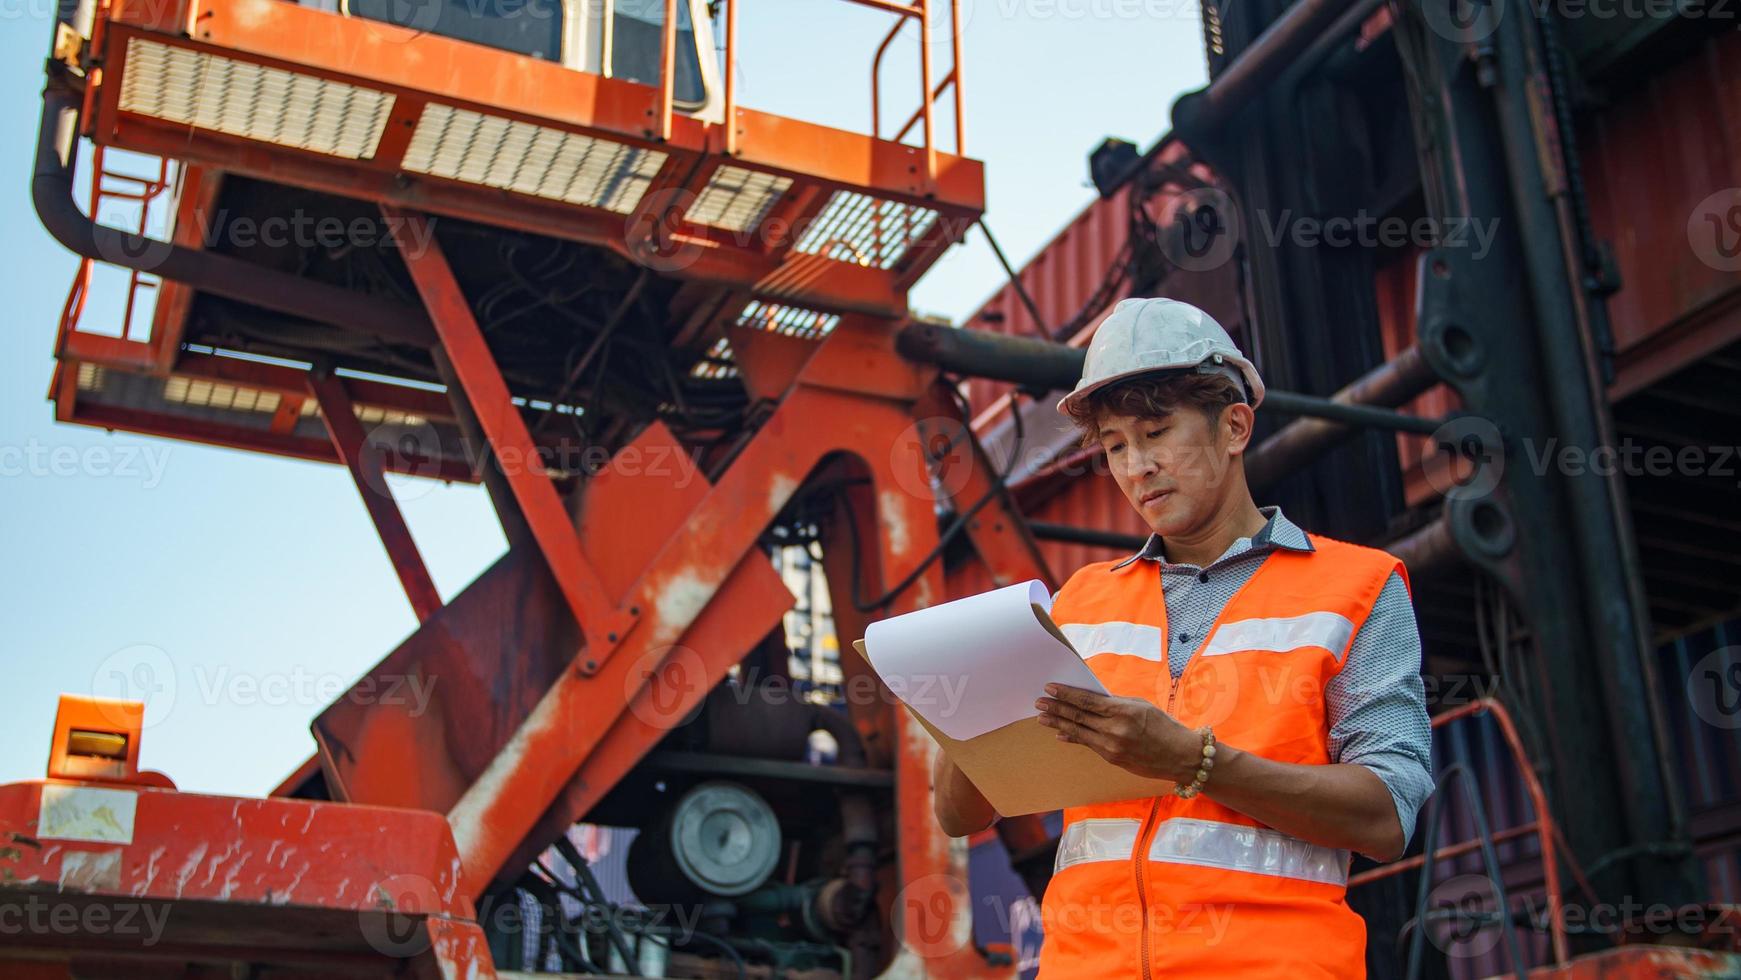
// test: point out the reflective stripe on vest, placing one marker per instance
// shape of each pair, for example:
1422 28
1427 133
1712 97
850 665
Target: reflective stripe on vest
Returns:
1205 843
1132 639
1329 630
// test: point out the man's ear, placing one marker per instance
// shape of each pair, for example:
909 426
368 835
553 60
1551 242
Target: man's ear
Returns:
1237 422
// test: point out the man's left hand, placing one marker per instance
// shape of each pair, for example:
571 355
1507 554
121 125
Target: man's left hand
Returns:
1128 732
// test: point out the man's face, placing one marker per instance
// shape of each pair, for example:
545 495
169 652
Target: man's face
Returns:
1173 470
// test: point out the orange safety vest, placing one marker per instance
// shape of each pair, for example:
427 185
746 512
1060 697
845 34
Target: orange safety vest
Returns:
1169 887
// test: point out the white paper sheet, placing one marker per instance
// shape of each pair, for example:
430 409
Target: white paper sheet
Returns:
976 664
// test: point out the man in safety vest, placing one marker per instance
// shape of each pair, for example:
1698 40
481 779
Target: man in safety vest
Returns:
1273 674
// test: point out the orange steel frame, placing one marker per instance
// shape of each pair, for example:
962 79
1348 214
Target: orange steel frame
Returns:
421 68
852 396
289 383
843 403
353 891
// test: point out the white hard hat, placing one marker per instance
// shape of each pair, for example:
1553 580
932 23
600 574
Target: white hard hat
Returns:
1140 336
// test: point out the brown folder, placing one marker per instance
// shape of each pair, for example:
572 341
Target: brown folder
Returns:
1024 768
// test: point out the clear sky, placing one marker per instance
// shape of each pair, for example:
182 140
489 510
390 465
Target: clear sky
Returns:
251 587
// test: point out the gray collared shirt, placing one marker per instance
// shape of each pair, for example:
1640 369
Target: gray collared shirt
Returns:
1376 705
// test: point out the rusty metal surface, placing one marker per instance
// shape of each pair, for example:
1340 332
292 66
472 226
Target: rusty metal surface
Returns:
210 878
1681 127
1646 963
1081 498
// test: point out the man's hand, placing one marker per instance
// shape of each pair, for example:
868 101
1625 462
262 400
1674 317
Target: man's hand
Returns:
1127 732
1337 805
960 807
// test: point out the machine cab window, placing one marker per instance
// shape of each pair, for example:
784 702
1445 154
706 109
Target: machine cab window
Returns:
614 38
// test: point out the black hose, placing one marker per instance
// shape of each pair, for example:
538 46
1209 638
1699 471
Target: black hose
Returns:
998 488
1489 862
51 191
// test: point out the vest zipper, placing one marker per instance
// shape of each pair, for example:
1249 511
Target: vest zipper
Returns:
1150 825
1142 892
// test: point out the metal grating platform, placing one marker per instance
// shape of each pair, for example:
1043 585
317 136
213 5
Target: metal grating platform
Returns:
241 98
509 155
865 230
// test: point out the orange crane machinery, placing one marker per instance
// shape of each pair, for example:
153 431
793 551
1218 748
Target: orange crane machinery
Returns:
539 246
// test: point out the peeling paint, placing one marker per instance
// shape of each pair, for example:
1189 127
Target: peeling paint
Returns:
212 864
892 506
467 816
780 489
681 599
251 14
150 876
188 868
291 889
91 871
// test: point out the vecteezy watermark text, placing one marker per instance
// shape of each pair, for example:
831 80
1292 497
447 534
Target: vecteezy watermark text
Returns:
124 462
1372 231
301 229
37 915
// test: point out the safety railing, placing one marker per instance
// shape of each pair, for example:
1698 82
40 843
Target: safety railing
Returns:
920 11
1543 827
114 185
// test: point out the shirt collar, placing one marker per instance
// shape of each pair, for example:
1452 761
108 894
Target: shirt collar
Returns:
1277 532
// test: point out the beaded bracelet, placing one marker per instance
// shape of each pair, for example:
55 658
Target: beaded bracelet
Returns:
1208 763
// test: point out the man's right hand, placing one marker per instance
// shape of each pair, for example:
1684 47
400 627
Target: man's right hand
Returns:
961 808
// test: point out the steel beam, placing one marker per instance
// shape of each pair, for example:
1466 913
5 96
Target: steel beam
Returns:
1044 366
601 624
1509 334
1199 113
364 463
1297 444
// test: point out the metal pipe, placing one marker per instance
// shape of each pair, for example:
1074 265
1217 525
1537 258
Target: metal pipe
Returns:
667 68
955 77
51 191
1044 366
1294 446
1428 551
925 91
889 6
1071 534
1196 114
919 113
731 42
1037 364
877 78
1312 406
1538 799
1327 43
1575 394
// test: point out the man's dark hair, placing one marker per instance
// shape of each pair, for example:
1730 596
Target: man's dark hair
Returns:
1155 396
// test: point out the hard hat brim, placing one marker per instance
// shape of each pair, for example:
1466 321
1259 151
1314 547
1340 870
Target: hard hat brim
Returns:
1081 392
